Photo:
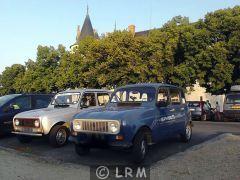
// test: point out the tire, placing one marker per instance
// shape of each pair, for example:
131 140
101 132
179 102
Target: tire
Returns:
81 150
24 139
58 136
140 147
187 135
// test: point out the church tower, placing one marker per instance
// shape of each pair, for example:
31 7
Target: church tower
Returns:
87 30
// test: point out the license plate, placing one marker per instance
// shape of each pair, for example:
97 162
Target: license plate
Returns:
27 130
192 109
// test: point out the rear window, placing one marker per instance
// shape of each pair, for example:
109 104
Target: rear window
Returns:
193 104
233 99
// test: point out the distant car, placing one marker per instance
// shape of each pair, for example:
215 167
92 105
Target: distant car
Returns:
12 104
135 117
231 107
199 113
51 121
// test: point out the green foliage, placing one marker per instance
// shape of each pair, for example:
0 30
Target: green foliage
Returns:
181 53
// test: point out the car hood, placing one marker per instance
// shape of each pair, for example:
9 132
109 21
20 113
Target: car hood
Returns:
48 112
115 113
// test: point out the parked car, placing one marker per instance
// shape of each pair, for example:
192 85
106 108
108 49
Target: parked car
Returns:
135 117
200 113
50 121
231 107
12 104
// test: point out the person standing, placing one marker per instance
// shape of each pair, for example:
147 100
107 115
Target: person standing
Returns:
218 115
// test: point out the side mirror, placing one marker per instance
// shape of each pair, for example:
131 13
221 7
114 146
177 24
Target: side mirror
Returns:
162 104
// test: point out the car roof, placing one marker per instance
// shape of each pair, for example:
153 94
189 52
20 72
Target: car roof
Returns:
84 90
155 85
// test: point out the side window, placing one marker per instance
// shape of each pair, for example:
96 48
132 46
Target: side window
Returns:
175 96
183 99
41 101
21 103
162 98
88 99
102 98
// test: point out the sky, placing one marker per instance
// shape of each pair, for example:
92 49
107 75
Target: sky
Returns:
25 24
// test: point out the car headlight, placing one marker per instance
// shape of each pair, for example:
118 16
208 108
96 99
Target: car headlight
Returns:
76 125
37 123
16 122
113 127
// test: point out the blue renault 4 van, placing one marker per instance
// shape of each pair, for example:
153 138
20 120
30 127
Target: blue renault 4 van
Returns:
136 116
12 104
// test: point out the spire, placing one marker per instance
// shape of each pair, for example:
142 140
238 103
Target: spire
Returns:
87 29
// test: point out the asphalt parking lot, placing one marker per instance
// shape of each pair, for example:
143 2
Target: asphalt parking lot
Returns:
202 131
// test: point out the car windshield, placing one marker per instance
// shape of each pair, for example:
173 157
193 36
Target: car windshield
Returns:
134 94
66 99
5 99
233 99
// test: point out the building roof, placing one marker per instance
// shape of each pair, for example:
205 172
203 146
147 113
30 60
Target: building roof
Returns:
87 29
142 33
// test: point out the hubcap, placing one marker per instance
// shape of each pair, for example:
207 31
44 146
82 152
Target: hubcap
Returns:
143 148
61 136
188 131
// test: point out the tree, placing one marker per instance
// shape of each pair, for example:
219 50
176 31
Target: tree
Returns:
9 78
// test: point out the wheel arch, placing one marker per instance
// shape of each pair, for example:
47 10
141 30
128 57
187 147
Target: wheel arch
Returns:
58 123
146 130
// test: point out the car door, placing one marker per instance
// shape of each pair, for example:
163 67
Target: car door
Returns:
177 109
15 106
161 125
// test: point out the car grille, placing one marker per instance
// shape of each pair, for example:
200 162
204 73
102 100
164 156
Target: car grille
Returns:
95 126
26 122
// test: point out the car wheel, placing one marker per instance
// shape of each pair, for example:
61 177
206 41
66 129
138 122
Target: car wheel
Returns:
24 139
187 135
58 136
81 150
140 147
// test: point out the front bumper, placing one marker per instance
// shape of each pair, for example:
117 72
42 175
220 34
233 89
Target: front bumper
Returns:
27 131
232 114
99 141
27 134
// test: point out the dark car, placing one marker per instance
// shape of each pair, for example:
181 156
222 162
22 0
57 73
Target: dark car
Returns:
231 107
10 105
200 112
135 117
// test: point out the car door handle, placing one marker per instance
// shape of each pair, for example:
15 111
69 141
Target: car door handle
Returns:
172 110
